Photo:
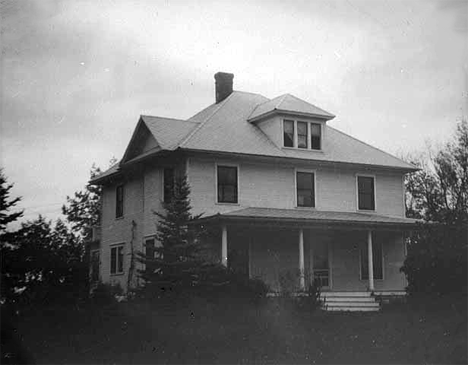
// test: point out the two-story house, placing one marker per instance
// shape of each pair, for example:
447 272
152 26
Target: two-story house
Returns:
292 197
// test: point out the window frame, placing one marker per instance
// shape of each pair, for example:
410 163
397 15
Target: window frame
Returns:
362 248
294 132
309 134
357 193
216 182
164 184
308 145
314 172
119 213
116 247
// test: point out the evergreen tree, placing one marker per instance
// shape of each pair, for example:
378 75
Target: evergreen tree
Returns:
178 262
5 204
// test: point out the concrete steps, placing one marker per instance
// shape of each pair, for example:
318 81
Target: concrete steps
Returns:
349 302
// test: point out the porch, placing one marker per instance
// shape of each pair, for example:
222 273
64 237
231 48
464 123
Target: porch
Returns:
289 249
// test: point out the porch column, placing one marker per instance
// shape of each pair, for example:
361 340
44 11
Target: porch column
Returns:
370 261
301 260
224 246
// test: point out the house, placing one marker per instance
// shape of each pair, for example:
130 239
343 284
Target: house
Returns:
292 198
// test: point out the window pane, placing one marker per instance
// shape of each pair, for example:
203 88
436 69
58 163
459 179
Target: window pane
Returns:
315 140
366 193
120 259
305 189
168 184
288 138
305 180
149 248
119 201
315 129
227 184
113 260
301 135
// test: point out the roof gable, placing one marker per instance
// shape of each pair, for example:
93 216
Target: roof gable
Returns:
153 134
288 104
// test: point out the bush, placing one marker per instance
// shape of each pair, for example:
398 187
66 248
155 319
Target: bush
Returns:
437 260
105 294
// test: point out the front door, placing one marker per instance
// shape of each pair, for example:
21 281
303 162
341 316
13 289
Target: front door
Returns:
320 264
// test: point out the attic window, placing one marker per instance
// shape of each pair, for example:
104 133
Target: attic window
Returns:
300 134
288 134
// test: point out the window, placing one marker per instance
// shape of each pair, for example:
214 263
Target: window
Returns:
315 136
377 260
302 135
116 266
119 201
366 197
151 253
168 182
305 186
288 134
227 184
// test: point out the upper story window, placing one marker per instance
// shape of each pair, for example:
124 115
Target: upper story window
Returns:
305 186
119 201
302 140
227 181
168 183
299 134
366 192
315 136
116 266
288 131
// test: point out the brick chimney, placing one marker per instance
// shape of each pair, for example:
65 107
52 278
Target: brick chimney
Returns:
223 85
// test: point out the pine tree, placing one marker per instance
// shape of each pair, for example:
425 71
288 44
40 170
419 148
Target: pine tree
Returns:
178 262
5 204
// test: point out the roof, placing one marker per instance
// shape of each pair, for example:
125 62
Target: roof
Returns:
168 131
225 128
304 216
288 104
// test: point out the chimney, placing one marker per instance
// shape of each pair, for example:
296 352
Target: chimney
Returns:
223 85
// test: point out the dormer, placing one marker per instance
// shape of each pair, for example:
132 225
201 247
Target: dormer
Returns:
292 123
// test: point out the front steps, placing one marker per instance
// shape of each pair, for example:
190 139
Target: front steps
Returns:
349 302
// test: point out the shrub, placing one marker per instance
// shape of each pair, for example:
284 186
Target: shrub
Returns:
105 294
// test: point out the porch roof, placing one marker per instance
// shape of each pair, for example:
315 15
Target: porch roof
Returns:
308 217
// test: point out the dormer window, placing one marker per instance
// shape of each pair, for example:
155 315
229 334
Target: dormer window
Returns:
300 134
288 126
315 136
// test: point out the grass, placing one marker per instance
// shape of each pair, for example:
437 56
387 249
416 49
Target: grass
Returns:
424 330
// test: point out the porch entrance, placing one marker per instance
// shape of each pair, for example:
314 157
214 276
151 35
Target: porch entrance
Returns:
320 264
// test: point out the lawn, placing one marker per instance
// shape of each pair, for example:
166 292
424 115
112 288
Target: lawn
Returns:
420 331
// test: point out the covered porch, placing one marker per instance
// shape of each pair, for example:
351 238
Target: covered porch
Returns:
289 249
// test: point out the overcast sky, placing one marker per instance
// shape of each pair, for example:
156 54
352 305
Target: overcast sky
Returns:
76 75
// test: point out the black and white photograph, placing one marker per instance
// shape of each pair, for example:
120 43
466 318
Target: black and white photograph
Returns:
234 182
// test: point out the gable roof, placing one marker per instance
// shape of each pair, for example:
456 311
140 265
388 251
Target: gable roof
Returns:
225 128
288 104
166 132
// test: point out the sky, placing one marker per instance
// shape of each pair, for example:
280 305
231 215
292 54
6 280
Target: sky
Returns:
76 75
